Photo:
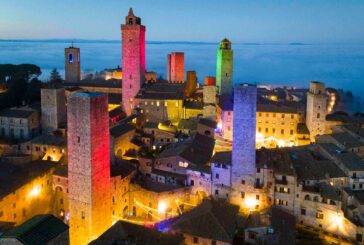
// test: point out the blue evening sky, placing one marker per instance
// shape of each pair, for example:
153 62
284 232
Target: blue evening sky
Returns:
313 21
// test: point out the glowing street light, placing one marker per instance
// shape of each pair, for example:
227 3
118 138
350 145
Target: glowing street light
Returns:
250 203
162 207
35 191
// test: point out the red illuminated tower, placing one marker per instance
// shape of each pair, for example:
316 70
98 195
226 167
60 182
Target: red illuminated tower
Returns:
88 166
133 59
176 67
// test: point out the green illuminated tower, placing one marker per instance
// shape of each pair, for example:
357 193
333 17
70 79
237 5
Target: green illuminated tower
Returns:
224 67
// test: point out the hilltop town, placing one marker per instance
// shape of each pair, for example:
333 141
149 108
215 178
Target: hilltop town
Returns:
130 158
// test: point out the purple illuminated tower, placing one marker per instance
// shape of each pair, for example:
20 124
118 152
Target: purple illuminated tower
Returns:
133 59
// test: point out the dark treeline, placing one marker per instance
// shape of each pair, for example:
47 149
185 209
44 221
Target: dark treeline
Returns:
21 84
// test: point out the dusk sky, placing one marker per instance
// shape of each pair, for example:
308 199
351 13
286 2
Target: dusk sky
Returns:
313 21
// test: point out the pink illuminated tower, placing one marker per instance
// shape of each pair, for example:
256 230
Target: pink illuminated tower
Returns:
133 59
88 166
176 67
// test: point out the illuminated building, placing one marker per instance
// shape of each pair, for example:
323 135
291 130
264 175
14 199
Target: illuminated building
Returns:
88 166
116 73
53 107
316 109
161 101
191 83
224 68
133 59
26 190
46 147
277 124
176 67
72 63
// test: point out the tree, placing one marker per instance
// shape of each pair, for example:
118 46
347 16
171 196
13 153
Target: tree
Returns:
55 76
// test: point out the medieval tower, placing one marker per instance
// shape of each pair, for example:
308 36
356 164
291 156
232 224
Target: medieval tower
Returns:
176 67
133 60
316 109
53 101
243 152
88 166
72 61
224 67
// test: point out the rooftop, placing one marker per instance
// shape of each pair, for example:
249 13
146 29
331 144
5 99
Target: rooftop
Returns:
121 129
127 233
16 113
41 229
223 157
211 219
162 91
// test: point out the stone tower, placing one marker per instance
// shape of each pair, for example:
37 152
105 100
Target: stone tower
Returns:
316 109
176 67
133 59
209 101
72 63
88 166
244 131
53 101
191 83
224 68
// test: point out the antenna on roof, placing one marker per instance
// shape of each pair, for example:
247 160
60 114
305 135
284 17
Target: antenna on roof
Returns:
72 44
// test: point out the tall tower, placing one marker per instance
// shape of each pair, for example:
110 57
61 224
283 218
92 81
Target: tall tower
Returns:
176 67
243 152
224 67
88 166
72 63
191 83
133 59
316 109
53 101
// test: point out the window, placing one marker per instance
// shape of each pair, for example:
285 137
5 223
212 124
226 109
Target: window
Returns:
1 213
61 201
213 242
83 215
257 197
359 237
78 139
303 211
217 176
291 132
192 182
319 215
243 182
195 239
242 195
24 212
292 116
318 115
282 115
252 235
282 131
216 192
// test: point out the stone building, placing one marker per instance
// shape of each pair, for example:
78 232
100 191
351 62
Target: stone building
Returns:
53 108
72 63
133 59
26 190
176 67
224 68
209 100
316 109
19 123
88 166
161 101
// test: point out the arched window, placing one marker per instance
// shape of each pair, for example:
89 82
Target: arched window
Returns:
316 199
307 197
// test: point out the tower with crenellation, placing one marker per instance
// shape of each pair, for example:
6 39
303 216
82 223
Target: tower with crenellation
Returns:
133 60
88 139
224 68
